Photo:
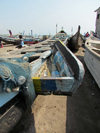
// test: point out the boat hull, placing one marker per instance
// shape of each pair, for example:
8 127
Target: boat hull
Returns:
75 42
92 59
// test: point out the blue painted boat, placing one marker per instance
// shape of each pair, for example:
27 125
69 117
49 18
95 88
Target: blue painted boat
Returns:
57 71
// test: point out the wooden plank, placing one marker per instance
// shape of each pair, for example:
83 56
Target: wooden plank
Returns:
35 50
11 56
30 49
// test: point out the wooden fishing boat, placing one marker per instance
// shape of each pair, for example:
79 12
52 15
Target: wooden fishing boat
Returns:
16 41
10 40
92 57
60 74
62 35
48 70
31 41
75 41
64 72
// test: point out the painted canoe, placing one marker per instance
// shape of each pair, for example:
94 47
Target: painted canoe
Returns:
60 74
62 35
92 58
75 41
31 41
10 40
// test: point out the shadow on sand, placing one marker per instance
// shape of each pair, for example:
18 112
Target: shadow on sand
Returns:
83 108
26 123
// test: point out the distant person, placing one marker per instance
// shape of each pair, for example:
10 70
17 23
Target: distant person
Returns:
21 44
95 34
87 34
1 45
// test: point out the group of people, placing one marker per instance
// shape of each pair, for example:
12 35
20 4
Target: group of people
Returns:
92 33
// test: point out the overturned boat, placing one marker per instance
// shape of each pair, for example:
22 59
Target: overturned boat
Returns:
52 70
92 57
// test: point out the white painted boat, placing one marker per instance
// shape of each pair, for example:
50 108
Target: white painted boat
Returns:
92 58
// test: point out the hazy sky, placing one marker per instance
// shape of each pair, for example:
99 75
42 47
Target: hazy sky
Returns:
41 16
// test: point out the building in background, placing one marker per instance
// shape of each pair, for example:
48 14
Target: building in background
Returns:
97 30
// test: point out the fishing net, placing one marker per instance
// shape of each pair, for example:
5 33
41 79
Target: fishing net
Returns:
16 73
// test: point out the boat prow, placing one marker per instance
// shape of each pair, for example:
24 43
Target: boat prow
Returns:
75 41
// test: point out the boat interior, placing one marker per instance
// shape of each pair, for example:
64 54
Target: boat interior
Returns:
95 46
56 74
52 75
54 66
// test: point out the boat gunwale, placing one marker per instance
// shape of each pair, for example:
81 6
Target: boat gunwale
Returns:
78 62
81 72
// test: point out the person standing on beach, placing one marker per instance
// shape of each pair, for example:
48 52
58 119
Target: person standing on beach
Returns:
21 41
1 45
